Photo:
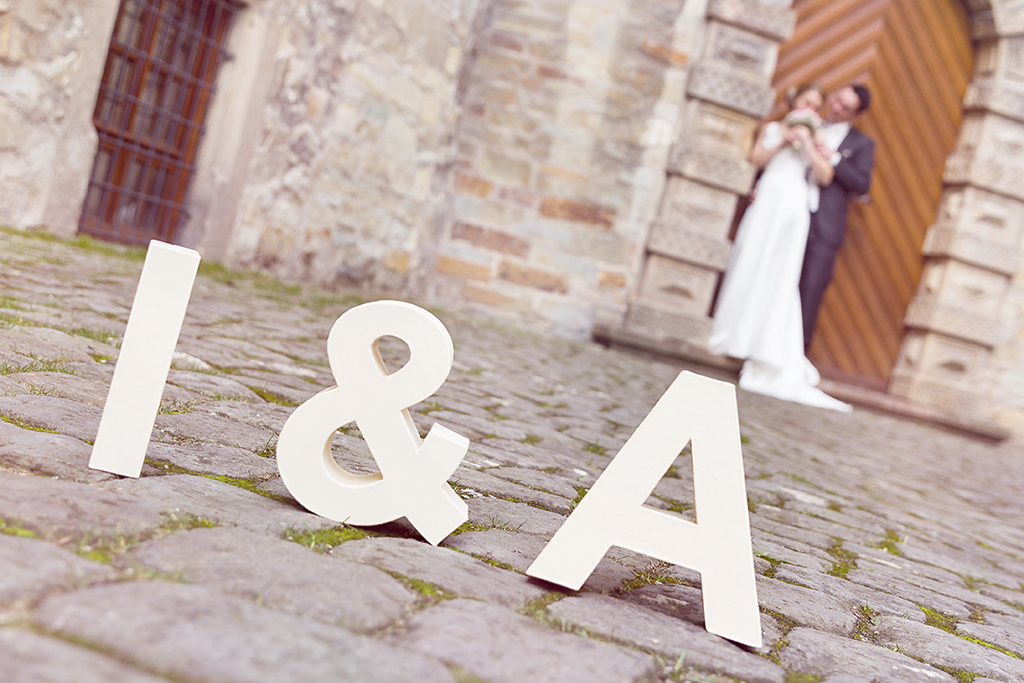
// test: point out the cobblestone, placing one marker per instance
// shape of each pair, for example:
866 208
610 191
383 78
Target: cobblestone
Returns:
452 572
681 642
33 568
500 646
280 575
202 633
47 454
821 654
219 502
31 658
806 607
58 509
947 650
886 550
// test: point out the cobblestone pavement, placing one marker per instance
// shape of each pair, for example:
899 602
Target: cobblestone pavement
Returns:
885 550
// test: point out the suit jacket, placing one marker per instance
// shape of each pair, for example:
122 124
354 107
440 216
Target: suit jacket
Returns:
852 178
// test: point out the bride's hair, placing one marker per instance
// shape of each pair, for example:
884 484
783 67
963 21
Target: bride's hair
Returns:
793 93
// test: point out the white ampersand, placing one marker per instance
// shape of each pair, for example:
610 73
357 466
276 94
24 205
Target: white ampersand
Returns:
413 472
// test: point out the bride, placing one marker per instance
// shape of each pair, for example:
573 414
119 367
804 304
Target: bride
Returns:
758 317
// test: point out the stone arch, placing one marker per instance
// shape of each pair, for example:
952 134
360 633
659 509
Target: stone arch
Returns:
957 359
959 351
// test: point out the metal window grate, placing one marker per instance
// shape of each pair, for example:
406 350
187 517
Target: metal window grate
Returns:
156 91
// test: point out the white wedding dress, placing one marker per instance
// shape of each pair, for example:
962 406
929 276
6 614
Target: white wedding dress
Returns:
758 317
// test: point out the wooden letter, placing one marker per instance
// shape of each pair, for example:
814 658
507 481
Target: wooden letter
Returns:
165 287
703 412
413 471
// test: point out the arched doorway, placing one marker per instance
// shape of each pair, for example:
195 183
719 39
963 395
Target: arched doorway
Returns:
917 58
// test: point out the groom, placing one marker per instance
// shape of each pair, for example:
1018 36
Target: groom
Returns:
853 157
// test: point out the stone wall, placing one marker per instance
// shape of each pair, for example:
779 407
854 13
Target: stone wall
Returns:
569 112
990 158
964 349
355 127
547 159
728 92
51 58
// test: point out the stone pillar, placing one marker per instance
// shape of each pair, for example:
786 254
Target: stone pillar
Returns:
728 92
963 311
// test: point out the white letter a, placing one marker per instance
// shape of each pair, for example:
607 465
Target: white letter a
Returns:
703 412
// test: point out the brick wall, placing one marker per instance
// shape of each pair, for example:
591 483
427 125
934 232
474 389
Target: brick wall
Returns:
566 121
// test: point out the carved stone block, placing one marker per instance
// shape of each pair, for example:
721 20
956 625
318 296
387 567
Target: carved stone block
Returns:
927 391
743 91
940 372
954 360
718 129
740 51
989 153
985 215
944 241
734 174
660 324
960 300
1002 139
697 207
1009 17
926 313
1012 61
675 241
1003 97
676 286
771 20
951 283
972 168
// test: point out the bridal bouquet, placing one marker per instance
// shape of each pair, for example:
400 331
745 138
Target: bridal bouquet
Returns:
804 117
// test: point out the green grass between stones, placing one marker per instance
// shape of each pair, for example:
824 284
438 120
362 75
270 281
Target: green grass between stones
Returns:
845 560
250 485
272 397
323 540
18 422
14 530
9 368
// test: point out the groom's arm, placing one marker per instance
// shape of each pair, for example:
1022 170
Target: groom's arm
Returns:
854 173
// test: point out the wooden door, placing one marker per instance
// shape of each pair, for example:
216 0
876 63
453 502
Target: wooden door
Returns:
916 57
157 86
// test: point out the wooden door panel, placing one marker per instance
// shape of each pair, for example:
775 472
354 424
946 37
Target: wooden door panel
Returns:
830 35
916 57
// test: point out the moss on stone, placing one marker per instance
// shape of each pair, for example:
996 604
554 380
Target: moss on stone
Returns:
11 529
892 543
939 620
35 365
18 422
251 485
272 397
324 539
845 560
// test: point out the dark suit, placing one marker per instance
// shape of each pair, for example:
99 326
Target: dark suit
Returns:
828 223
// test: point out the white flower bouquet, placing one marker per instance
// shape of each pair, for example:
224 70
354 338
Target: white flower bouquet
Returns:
804 117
